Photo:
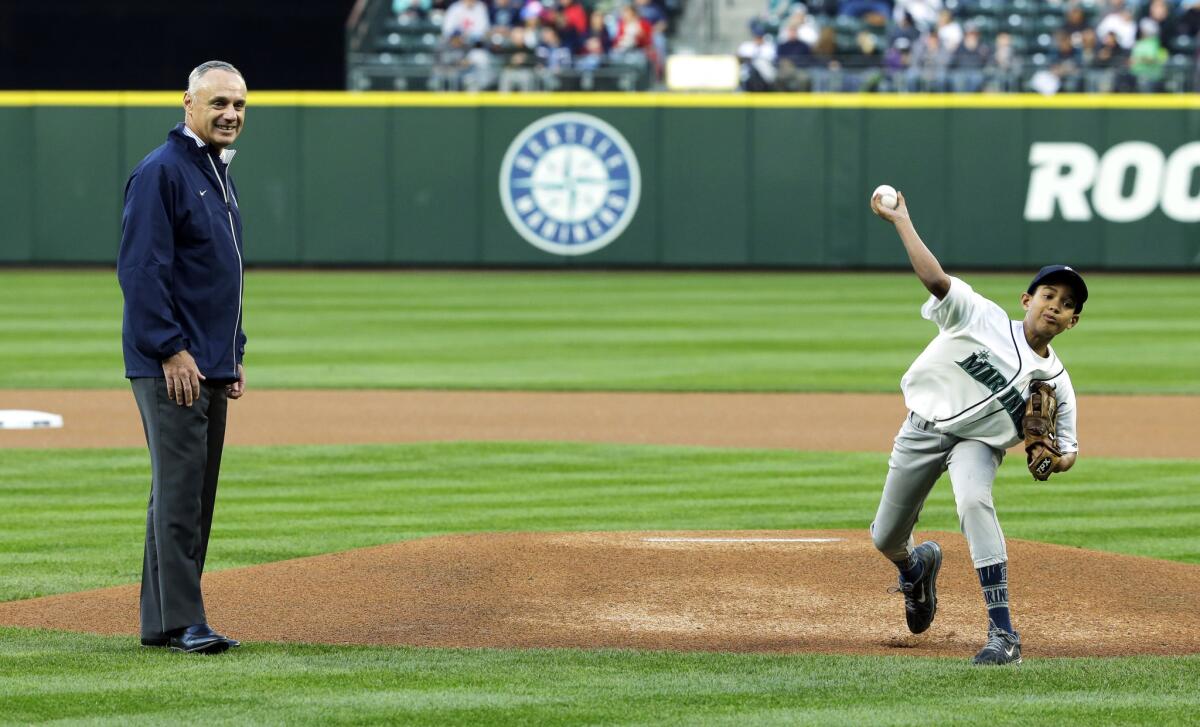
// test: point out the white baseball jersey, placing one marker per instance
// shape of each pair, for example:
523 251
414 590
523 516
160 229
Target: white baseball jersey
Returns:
971 381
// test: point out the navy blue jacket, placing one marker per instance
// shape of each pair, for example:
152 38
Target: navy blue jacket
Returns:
180 264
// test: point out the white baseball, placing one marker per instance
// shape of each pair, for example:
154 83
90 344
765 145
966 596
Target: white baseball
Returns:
887 196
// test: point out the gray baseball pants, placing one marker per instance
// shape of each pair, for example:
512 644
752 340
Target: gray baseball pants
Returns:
920 455
185 445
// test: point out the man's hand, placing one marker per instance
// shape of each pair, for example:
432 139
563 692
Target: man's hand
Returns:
237 388
891 215
183 378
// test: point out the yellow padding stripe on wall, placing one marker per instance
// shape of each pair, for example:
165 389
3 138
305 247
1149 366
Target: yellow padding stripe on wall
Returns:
382 99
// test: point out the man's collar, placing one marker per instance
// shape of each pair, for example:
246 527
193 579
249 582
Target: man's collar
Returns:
226 154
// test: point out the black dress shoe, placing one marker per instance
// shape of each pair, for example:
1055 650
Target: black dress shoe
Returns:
232 642
199 639
161 641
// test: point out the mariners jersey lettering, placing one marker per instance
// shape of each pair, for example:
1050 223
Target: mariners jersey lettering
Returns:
972 379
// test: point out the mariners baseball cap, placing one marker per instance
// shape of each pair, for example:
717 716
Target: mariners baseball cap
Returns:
1062 272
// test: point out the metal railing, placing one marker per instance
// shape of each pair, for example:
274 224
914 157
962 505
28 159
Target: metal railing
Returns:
1177 79
384 73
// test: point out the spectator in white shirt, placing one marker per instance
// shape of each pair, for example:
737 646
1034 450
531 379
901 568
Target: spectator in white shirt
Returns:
924 13
758 60
469 17
949 32
806 28
1119 22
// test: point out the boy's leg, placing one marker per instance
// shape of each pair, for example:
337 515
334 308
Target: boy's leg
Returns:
973 468
918 459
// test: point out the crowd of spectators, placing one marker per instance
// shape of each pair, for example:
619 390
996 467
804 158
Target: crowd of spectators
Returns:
974 45
529 44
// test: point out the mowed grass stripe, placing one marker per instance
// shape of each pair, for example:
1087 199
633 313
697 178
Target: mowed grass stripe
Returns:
99 680
827 331
74 519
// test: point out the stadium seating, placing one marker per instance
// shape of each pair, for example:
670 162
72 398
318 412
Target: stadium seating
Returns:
402 52
388 51
1031 26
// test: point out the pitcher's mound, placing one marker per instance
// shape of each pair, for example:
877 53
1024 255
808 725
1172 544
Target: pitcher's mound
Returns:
784 591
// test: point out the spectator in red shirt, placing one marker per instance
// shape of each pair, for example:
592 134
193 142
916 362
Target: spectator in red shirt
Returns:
567 32
657 18
633 32
575 16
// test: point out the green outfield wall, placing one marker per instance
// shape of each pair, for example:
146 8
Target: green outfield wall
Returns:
642 180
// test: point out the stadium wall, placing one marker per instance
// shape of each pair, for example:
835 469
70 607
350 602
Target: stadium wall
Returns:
726 181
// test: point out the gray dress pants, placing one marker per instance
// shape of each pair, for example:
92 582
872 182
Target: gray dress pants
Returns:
185 445
920 455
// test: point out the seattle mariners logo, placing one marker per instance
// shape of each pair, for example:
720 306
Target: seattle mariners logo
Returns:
570 184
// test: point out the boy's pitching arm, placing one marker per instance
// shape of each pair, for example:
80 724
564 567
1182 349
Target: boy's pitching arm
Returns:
924 264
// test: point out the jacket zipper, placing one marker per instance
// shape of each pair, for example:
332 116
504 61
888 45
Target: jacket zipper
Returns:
233 233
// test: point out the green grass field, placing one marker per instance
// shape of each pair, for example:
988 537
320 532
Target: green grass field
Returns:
599 331
97 681
73 519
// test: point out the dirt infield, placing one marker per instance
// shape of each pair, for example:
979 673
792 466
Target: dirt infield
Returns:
1165 425
685 591
621 589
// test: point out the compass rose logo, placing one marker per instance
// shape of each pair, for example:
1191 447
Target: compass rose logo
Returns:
570 184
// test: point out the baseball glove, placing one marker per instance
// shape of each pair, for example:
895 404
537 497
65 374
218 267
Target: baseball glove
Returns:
1038 427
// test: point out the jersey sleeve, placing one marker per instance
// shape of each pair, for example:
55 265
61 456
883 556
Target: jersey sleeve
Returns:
957 310
1066 432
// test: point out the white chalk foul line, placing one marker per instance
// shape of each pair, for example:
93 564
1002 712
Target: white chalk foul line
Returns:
742 540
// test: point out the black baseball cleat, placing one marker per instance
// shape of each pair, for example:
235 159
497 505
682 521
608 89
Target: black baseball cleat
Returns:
920 596
1001 648
199 639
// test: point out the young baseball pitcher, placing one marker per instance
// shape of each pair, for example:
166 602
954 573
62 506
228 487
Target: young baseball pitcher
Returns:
982 385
